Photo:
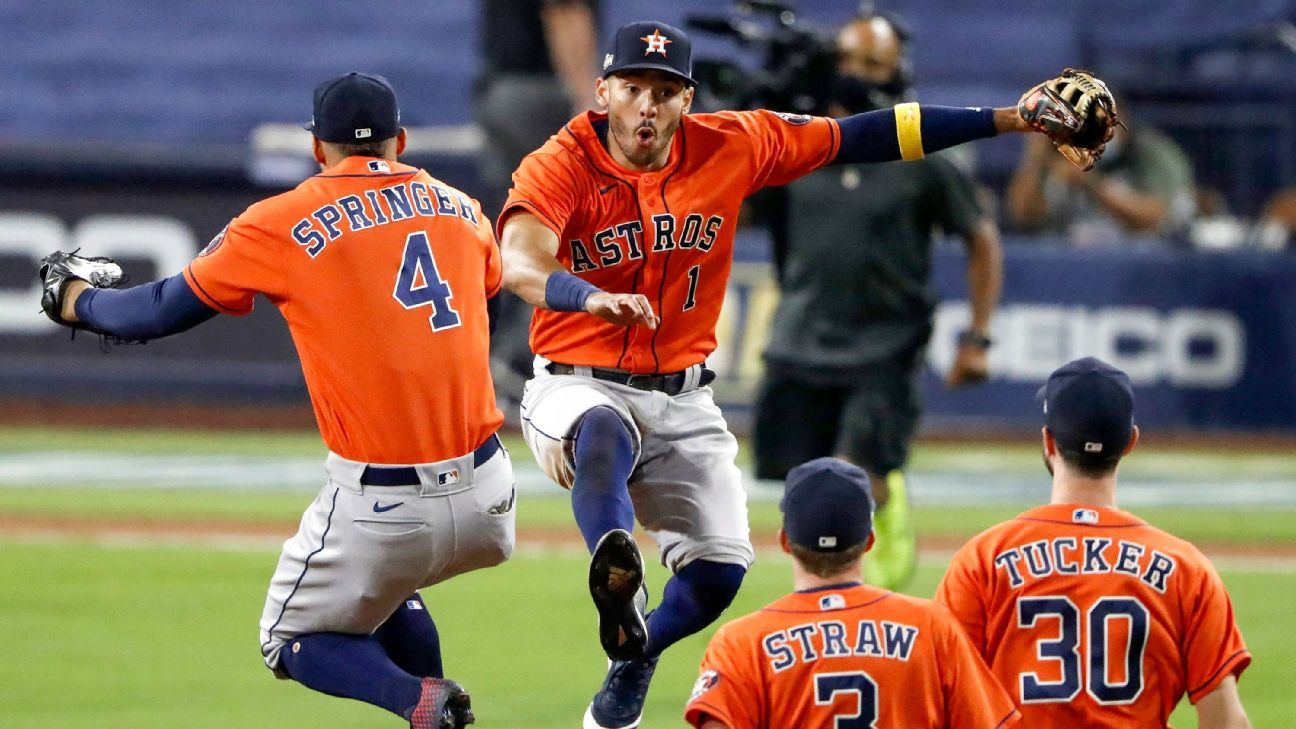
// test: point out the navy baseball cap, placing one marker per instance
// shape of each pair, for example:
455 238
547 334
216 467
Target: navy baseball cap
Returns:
827 505
355 107
647 44
1089 407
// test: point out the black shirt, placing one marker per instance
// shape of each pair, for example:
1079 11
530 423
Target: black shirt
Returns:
856 261
513 36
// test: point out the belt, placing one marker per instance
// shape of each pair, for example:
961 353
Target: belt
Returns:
671 383
408 475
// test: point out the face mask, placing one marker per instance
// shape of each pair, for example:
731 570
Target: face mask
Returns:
858 95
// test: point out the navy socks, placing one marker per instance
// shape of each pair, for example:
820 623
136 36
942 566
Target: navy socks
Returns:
692 600
411 639
603 458
353 667
385 669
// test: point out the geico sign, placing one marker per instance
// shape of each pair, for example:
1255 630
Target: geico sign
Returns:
167 242
1183 347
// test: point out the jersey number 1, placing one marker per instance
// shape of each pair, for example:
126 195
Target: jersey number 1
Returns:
419 284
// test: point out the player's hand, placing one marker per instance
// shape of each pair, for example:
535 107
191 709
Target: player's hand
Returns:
971 365
627 310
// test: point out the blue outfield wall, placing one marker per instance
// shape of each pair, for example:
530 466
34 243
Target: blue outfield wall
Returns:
1209 340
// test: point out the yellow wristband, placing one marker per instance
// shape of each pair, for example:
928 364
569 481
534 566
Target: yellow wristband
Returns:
908 118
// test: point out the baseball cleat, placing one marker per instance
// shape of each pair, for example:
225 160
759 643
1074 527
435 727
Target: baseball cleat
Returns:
619 703
443 704
616 583
894 557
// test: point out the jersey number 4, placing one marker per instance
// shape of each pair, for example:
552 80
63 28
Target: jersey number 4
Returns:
828 686
419 284
1095 660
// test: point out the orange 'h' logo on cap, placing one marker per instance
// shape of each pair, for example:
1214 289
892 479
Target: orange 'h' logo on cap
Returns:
656 42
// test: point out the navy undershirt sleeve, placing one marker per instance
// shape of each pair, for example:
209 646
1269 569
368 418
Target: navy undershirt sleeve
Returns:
149 311
871 136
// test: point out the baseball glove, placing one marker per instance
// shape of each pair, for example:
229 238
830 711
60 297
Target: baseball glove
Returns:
1076 111
59 268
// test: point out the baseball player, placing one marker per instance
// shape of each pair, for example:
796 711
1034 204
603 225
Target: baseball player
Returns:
1087 615
620 231
383 274
838 653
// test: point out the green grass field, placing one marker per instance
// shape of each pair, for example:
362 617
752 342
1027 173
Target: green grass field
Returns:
133 633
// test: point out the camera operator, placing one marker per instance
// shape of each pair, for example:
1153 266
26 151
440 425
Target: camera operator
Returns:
853 253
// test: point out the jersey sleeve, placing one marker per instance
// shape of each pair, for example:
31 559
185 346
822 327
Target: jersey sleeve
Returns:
788 146
958 211
545 186
962 593
727 689
974 698
240 262
1213 646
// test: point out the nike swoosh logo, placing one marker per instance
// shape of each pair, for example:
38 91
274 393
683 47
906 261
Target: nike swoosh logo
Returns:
379 508
609 187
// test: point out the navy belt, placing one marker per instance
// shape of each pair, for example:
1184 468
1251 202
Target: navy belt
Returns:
671 383
408 475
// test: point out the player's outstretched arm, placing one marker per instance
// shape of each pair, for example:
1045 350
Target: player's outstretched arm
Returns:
1222 708
1075 110
909 131
78 292
532 271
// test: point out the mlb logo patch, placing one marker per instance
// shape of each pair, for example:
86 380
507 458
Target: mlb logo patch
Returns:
1084 516
607 61
413 604
364 133
377 165
448 478
827 542
832 602
705 683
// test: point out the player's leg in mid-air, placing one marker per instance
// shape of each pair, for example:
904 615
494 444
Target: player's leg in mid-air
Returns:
611 445
343 615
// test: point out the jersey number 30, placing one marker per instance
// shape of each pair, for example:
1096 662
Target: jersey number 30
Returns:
828 686
419 284
1093 662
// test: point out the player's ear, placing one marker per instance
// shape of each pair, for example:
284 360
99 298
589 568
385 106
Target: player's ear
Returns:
784 544
1133 441
1050 445
317 150
869 544
601 92
689 92
401 139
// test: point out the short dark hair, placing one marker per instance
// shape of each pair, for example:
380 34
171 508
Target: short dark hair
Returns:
1090 465
369 148
826 564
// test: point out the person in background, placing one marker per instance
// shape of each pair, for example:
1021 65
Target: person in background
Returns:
1142 187
537 58
853 248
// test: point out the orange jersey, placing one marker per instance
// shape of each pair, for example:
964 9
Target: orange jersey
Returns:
855 656
667 234
1091 617
382 273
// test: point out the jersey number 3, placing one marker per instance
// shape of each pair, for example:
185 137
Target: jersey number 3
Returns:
828 686
419 284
